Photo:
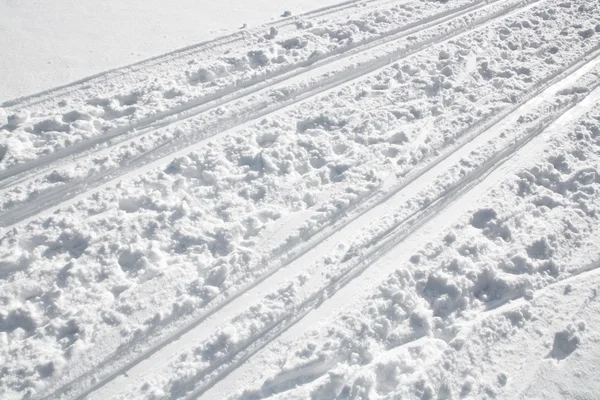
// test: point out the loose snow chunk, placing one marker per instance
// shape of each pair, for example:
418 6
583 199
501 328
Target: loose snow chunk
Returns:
447 71
587 33
482 217
16 119
208 74
294 43
272 33
217 275
321 122
258 58
565 343
444 55
540 249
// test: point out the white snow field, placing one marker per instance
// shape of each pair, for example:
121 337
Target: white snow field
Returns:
45 45
379 199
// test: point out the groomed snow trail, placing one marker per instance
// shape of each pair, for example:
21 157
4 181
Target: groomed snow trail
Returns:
345 204
236 82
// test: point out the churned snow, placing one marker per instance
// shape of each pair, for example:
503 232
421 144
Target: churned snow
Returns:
378 199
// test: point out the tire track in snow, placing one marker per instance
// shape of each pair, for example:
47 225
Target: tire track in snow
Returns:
53 198
405 227
319 305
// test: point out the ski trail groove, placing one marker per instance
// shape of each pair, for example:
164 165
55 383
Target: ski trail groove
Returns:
157 155
225 96
388 239
560 75
236 37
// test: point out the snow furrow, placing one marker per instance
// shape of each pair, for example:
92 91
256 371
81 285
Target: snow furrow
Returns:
212 100
383 241
104 281
386 250
250 106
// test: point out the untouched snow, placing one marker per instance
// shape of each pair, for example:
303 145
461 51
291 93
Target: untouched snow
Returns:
380 199
46 45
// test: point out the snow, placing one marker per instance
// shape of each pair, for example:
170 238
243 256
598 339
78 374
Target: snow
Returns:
379 199
45 46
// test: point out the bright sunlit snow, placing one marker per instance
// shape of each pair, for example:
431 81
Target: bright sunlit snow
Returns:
47 44
375 199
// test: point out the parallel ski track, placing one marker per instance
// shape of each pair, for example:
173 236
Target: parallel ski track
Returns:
328 231
386 241
187 51
389 239
587 270
221 97
60 194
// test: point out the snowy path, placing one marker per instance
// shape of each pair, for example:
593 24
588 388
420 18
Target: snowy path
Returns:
409 229
220 89
247 106
319 290
175 228
143 29
397 244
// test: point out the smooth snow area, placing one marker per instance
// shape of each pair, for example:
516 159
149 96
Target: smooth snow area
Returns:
47 44
380 199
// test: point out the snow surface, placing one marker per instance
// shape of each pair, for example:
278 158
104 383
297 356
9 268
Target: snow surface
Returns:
50 44
380 199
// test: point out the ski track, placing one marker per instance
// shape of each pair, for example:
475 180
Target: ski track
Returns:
425 220
130 365
396 243
204 104
301 252
387 241
57 196
237 37
21 172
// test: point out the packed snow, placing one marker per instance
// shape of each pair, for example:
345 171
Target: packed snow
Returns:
377 199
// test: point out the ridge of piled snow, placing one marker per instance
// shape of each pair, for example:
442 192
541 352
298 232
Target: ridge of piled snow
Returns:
452 301
529 269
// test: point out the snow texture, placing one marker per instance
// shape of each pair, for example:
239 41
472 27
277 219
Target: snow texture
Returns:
379 199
